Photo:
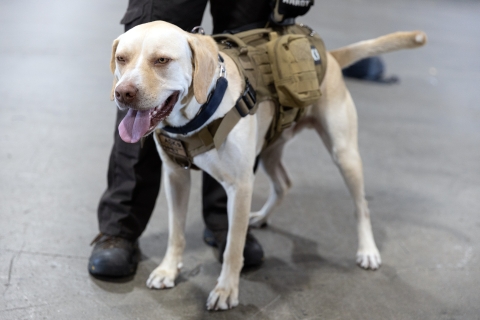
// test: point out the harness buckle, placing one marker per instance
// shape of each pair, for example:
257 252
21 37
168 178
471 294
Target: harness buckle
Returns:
228 44
198 29
247 100
186 165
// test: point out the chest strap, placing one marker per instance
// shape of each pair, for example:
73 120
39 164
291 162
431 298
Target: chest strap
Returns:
182 149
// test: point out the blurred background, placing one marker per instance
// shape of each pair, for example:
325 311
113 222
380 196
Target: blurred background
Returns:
419 141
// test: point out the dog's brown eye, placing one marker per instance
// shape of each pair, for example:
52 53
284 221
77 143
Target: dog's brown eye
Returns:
162 60
120 59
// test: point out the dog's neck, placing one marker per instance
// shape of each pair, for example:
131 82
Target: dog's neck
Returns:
188 107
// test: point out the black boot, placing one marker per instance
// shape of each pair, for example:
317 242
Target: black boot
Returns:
216 222
369 69
252 252
113 257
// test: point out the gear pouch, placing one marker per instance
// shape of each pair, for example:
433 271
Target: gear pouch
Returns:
293 69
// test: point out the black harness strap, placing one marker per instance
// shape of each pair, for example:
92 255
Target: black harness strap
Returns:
247 100
206 111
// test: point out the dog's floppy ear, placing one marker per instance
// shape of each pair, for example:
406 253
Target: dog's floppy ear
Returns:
113 66
205 57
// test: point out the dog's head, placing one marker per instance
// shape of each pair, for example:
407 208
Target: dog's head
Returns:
157 69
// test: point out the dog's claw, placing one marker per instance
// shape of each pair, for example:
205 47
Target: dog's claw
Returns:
161 279
369 260
222 299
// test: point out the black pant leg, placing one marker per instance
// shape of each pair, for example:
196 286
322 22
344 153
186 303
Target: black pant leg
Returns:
227 15
185 14
214 204
134 172
133 186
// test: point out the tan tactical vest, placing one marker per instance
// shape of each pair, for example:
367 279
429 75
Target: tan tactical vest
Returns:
285 65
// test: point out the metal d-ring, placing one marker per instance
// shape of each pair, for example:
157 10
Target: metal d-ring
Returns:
198 29
186 165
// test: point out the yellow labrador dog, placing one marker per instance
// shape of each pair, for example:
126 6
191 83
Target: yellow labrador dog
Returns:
163 75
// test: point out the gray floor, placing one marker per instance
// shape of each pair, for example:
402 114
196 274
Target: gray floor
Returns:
420 146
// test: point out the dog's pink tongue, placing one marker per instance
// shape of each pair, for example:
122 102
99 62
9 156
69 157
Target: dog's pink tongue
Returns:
134 125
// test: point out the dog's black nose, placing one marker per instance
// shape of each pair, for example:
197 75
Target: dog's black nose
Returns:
126 93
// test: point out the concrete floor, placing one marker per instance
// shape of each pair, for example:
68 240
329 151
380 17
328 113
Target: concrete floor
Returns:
420 145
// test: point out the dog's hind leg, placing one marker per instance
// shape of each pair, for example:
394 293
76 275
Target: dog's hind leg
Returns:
177 191
280 183
336 123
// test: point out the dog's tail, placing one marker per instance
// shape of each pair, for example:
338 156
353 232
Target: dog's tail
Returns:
348 55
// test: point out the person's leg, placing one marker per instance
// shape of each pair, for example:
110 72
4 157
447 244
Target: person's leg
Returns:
133 185
134 171
214 205
229 15
216 222
369 69
125 207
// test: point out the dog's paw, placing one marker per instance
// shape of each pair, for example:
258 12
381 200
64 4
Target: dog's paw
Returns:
369 259
222 298
161 279
257 220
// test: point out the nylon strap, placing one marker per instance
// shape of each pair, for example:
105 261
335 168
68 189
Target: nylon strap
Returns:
182 149
206 111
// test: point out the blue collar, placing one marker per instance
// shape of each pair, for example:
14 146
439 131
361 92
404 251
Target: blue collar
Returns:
207 109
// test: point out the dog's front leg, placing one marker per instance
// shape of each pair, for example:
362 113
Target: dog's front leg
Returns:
177 190
225 294
232 166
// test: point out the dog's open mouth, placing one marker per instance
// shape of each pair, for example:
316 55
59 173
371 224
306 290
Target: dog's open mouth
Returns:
138 123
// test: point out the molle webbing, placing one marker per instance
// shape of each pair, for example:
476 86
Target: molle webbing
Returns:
250 53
